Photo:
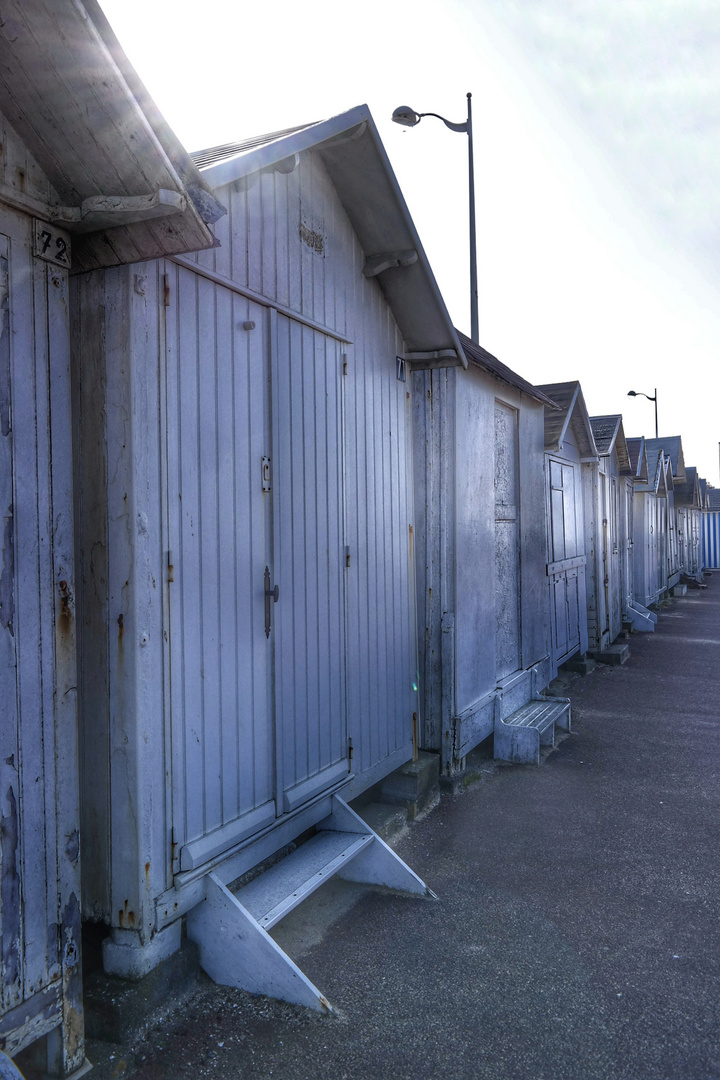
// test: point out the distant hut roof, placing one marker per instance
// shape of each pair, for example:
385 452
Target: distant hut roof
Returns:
485 360
571 414
688 493
713 498
609 435
354 157
638 458
672 446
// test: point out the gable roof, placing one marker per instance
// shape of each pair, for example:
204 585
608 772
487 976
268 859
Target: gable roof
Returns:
656 471
672 446
571 414
638 458
688 493
354 157
483 359
127 189
713 498
609 436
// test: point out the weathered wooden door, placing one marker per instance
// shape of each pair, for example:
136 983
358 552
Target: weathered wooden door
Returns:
507 543
255 502
309 558
219 524
614 559
627 545
566 566
40 992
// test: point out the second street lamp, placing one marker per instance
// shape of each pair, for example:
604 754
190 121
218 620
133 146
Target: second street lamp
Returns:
407 117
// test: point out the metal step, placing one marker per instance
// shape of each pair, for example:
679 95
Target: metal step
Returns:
272 895
231 929
518 737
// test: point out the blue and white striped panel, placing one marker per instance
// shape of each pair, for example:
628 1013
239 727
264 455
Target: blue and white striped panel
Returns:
711 539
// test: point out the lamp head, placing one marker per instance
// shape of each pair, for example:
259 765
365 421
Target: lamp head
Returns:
632 393
406 116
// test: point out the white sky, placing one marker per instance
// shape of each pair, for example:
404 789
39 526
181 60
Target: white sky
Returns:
593 173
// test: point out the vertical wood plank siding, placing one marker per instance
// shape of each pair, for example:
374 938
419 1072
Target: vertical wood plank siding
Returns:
39 848
288 237
217 435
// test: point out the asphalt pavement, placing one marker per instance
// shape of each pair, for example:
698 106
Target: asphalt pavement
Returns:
576 933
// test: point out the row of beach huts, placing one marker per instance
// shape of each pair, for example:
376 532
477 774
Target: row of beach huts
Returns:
272 529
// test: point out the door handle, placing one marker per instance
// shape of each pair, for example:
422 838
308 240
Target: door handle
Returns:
271 595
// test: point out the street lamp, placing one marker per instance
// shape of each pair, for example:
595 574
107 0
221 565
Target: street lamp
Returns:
407 117
639 393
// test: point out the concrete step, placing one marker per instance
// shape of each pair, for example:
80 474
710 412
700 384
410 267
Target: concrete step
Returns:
617 653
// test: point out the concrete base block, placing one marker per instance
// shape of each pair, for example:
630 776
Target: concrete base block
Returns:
386 820
579 664
679 590
119 1011
125 955
414 786
617 653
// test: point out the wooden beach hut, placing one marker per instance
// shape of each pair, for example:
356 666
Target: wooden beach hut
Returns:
246 430
608 525
74 194
688 508
570 466
481 567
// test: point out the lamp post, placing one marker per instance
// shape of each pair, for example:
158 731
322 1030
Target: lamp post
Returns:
639 393
407 117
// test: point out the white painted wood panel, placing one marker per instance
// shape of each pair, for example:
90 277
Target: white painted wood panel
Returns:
309 556
217 415
507 536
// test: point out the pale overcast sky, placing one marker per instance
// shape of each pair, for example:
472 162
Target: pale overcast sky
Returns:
597 127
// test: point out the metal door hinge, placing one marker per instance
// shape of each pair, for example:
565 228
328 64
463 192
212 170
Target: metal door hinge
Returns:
347 555
344 363
174 854
170 567
266 474
350 755
166 290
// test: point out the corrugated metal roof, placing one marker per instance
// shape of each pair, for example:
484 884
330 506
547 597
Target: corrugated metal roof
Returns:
713 498
215 154
485 360
572 414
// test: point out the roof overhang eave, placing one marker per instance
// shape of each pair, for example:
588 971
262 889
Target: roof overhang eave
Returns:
351 150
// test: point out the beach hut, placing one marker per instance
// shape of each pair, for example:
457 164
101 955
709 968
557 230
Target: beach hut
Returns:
710 526
570 465
74 193
481 568
246 424
674 464
688 509
608 515
636 517
650 527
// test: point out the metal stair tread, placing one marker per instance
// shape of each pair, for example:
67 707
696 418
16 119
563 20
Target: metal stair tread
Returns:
536 714
287 883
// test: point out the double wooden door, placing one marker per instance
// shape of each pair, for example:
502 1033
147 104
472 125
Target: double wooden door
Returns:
256 604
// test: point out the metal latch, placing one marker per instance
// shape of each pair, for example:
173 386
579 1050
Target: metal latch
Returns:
271 596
